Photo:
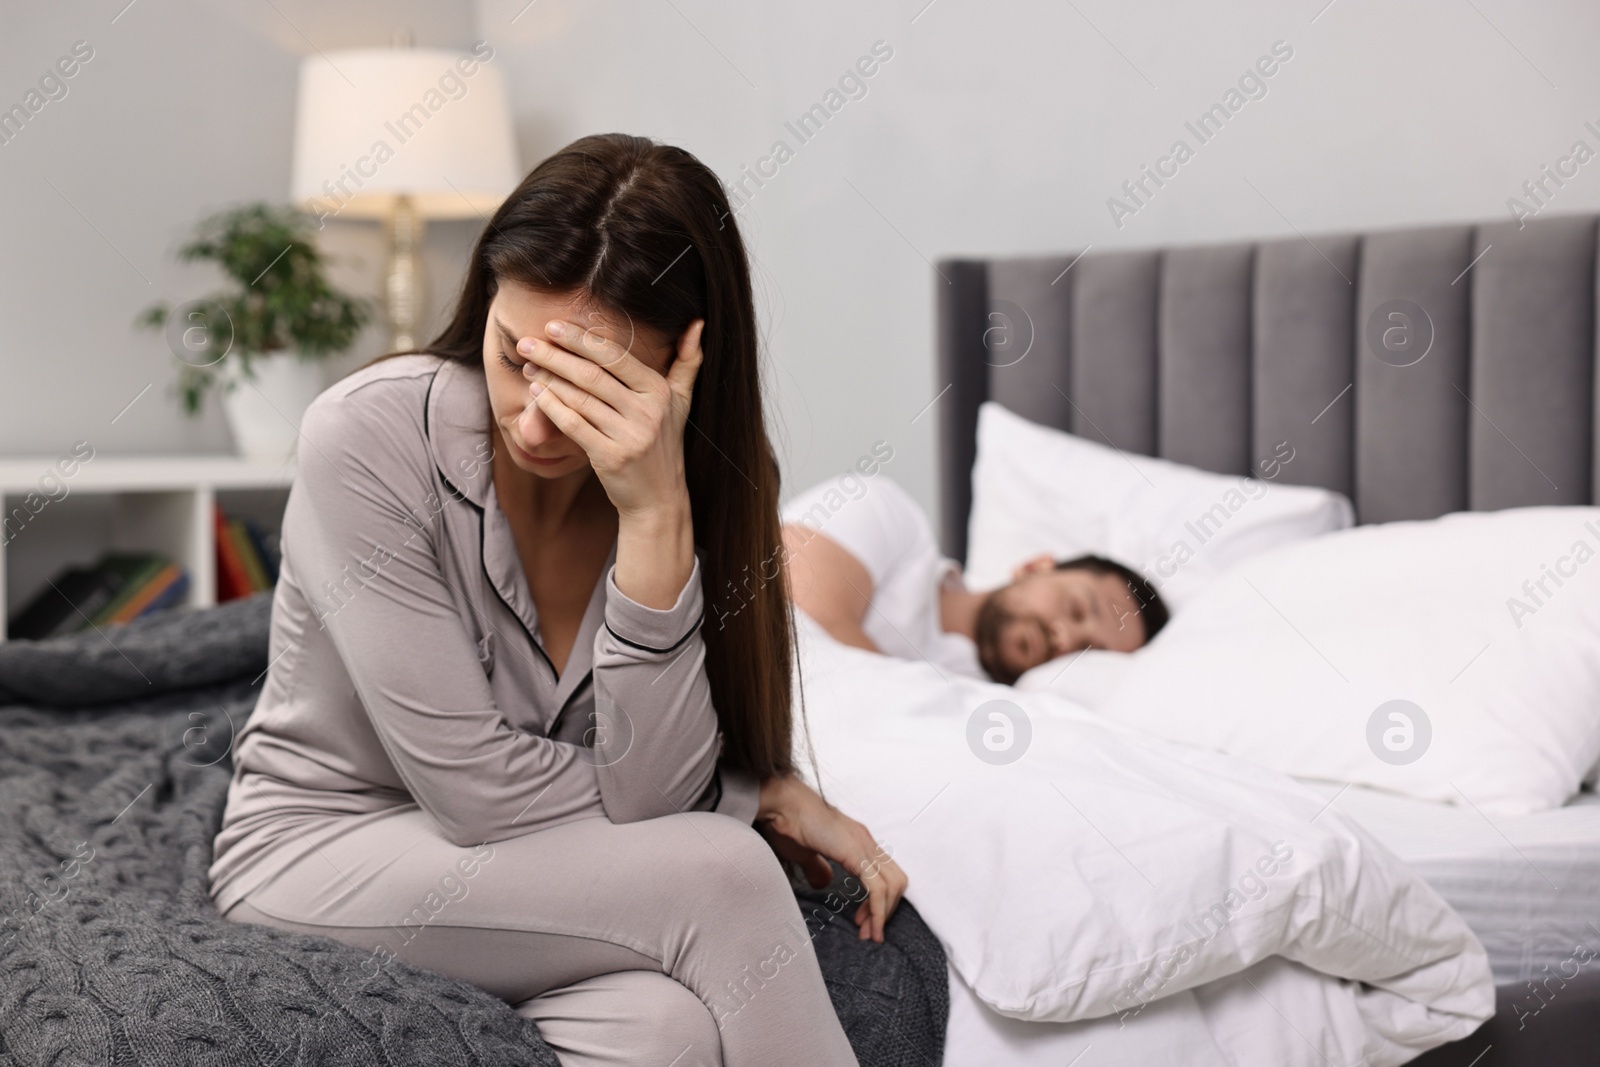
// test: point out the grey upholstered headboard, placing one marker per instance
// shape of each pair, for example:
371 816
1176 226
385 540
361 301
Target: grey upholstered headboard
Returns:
1212 355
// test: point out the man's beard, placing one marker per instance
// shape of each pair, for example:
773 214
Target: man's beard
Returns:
993 617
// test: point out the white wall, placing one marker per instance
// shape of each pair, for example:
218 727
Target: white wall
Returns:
186 108
996 128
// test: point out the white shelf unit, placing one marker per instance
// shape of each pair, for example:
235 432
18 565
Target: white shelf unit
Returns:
126 503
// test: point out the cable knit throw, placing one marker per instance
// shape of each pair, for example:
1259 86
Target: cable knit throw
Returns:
113 772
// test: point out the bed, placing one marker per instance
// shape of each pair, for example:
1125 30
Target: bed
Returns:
1206 356
113 772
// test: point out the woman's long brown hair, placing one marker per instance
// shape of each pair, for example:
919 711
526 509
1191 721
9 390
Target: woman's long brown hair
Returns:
646 231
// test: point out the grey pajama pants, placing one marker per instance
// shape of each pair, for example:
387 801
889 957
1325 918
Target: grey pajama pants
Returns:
674 942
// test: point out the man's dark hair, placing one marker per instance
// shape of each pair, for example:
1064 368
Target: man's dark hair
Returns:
1152 609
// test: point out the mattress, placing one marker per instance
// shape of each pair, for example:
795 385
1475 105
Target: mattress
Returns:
1528 885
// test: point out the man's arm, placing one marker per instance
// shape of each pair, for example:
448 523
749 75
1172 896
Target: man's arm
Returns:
828 584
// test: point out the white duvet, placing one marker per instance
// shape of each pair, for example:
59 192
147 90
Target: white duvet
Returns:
1102 874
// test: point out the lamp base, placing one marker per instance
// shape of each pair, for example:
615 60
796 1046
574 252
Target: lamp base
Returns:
402 282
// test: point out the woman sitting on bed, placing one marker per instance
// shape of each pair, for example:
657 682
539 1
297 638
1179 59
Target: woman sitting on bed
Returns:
495 740
861 561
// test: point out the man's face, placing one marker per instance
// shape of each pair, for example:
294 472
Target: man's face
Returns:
1045 613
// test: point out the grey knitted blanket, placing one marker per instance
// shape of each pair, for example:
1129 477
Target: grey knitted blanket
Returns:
113 771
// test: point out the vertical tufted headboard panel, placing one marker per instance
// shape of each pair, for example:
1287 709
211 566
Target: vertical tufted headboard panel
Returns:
1418 371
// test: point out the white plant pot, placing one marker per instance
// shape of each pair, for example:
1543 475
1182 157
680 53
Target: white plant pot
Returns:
264 411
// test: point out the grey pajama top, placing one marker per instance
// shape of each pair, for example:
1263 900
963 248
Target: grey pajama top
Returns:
405 664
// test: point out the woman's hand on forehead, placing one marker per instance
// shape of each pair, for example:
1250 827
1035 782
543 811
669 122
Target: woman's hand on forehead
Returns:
599 336
623 413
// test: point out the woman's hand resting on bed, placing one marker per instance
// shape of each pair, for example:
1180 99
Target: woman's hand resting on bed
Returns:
803 828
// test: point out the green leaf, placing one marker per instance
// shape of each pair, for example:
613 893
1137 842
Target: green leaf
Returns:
281 298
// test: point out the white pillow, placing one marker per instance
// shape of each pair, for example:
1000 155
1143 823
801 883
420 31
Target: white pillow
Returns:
1489 622
1088 678
1037 490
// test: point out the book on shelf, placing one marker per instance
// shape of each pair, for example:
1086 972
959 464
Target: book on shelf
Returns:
135 571
70 597
165 588
266 548
246 563
232 580
119 587
253 569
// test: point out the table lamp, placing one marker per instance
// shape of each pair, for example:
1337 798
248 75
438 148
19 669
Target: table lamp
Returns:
402 135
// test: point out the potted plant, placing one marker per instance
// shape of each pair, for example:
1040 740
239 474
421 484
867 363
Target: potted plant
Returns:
264 339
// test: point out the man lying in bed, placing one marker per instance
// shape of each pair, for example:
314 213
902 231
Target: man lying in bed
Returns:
863 564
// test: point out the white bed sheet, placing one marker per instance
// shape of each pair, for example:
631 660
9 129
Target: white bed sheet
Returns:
1162 1036
1269 1013
1036 874
1527 885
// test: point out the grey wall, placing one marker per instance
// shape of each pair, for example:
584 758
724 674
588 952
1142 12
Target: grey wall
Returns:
996 128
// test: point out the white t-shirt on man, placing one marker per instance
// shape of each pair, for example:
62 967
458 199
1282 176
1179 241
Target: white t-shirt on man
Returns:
877 522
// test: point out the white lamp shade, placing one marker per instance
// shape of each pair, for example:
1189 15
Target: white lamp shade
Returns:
375 123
